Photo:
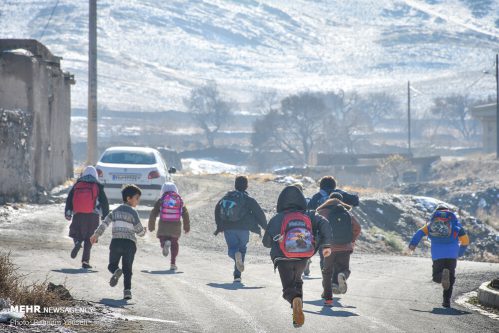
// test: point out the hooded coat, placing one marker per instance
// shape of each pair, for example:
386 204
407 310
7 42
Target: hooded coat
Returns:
337 206
89 175
291 199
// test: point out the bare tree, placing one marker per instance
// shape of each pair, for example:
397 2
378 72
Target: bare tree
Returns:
379 106
455 110
294 128
266 101
393 167
209 110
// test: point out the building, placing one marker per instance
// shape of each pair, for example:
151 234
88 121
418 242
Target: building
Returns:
487 114
35 118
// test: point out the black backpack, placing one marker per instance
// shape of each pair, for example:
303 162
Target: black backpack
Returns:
341 224
232 206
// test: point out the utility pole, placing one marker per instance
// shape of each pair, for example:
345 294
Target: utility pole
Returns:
497 106
92 85
409 117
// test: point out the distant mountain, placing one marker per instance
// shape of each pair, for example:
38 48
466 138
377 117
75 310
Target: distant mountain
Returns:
152 52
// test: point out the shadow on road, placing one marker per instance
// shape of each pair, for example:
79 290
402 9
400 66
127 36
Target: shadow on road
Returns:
165 272
73 271
114 303
231 286
331 312
444 311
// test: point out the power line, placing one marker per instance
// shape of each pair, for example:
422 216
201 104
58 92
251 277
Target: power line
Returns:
50 18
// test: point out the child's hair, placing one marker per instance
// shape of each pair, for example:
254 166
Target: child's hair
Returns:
327 182
241 183
129 191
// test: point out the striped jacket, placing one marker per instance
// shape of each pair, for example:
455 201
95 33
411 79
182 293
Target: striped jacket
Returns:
126 223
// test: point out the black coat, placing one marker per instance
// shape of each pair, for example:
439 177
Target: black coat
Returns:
291 199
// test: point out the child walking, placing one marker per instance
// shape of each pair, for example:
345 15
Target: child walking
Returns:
448 242
172 213
126 224
291 236
85 200
345 230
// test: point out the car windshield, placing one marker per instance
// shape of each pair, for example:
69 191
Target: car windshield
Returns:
127 157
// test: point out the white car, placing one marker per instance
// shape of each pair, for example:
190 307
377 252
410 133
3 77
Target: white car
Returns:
141 166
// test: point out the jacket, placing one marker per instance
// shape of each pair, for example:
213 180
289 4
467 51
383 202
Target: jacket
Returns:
172 229
253 220
101 204
445 248
291 199
334 205
323 195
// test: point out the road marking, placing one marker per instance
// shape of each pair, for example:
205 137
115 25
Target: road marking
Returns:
139 318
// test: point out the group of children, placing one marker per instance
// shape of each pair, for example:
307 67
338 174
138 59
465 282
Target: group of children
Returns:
300 228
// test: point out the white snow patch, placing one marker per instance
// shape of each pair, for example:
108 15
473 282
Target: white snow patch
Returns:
210 167
379 210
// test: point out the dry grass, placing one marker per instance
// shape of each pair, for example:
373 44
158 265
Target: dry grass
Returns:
491 218
14 287
262 177
361 191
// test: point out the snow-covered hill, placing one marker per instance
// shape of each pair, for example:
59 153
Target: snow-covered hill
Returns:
152 52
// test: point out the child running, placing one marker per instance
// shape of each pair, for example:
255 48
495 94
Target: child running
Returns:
448 242
171 210
126 223
291 237
85 200
345 231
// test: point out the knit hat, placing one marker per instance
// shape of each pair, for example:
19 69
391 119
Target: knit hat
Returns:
168 187
90 171
241 183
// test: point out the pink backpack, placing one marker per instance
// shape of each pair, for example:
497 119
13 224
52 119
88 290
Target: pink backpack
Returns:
171 207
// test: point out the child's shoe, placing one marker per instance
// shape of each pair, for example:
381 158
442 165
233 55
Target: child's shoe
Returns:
336 288
173 267
446 303
328 303
342 283
85 265
115 278
298 316
127 294
76 249
446 279
166 248
237 280
239 262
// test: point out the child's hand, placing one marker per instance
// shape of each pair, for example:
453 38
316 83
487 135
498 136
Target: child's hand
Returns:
93 239
326 252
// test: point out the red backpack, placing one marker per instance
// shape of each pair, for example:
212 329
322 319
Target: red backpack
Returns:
297 237
84 197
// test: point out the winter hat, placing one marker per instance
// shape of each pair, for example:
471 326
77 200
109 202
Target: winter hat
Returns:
327 182
90 171
299 185
168 187
241 183
336 195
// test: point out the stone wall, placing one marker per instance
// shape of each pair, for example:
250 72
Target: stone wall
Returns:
35 99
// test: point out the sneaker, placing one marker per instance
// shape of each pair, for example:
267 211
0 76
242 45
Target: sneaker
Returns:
336 288
76 249
306 272
115 278
298 316
166 248
239 262
446 304
328 303
446 279
342 283
127 294
173 267
85 265
237 280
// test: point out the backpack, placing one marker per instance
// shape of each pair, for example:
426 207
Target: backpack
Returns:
440 225
232 207
171 207
341 224
297 237
84 197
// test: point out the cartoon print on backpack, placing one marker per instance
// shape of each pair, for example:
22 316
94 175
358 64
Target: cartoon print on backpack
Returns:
297 237
171 207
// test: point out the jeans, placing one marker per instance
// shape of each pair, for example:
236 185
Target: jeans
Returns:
123 249
237 241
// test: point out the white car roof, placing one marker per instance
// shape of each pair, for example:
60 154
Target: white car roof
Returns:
133 149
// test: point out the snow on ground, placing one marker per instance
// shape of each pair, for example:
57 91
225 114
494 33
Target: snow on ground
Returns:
428 204
209 167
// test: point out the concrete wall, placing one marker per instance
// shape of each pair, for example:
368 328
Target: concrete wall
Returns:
38 94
